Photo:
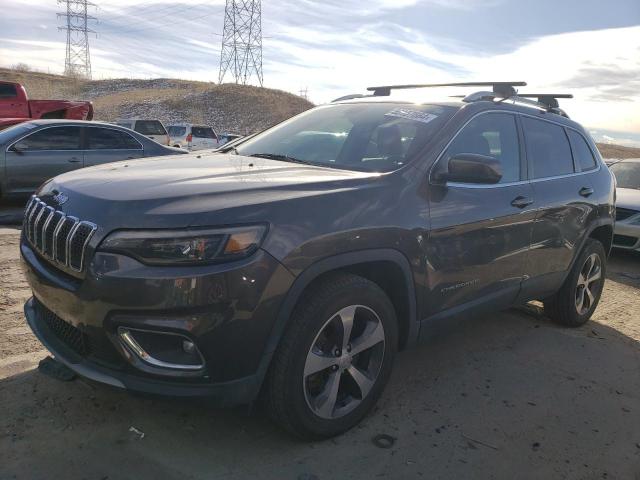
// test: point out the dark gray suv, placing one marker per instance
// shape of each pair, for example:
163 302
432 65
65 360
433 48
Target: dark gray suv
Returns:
294 265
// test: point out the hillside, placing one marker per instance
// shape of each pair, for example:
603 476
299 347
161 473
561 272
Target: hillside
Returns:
618 151
227 107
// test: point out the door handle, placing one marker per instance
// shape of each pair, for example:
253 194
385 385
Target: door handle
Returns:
586 191
73 160
521 202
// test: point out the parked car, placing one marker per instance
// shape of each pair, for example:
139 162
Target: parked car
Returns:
193 137
627 229
15 104
35 151
150 128
296 263
228 137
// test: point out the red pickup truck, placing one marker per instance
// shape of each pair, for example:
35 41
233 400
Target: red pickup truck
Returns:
15 107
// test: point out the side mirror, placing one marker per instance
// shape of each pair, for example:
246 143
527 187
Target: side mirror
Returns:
16 149
471 168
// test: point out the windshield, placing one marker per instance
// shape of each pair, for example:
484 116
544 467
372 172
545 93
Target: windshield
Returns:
373 137
15 131
627 174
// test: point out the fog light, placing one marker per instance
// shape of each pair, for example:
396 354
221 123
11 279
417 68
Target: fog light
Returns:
188 346
162 349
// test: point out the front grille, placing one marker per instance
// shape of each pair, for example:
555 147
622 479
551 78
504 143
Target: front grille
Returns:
624 240
60 238
65 332
624 213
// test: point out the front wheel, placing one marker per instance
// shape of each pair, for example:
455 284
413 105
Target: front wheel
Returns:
578 297
335 358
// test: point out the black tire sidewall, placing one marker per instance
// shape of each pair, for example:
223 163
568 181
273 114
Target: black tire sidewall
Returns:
370 296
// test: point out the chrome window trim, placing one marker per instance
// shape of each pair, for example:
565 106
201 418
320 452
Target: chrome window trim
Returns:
141 149
520 182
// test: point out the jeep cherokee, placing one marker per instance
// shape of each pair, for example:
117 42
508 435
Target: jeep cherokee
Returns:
293 265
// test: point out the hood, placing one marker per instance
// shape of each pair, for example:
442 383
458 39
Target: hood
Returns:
628 198
187 189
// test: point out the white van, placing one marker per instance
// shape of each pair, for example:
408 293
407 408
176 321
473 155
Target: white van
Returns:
150 128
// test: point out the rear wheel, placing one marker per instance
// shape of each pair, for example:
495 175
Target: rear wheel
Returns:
335 358
578 298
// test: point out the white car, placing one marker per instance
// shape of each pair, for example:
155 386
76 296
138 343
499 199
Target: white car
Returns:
150 128
193 137
627 227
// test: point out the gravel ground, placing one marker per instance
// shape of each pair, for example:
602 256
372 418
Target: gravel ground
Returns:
506 396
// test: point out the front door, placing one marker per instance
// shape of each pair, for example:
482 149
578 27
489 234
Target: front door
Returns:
42 155
480 234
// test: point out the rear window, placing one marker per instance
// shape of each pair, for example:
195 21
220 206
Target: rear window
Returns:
7 91
373 137
203 132
547 148
110 139
150 127
581 151
177 131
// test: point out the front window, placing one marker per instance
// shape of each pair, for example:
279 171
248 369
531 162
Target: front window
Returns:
373 137
627 174
54 138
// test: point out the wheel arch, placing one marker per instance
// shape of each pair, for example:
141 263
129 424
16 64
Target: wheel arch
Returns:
361 263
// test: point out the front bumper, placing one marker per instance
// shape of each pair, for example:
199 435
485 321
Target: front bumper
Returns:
626 236
227 310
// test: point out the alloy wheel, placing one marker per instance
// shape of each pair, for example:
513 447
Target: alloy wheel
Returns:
344 361
588 283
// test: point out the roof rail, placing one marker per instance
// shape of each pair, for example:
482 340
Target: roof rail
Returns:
504 89
550 100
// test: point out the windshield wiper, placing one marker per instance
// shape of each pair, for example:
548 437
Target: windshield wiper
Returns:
278 156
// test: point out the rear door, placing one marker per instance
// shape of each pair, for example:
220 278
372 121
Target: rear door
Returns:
41 155
480 234
104 145
562 193
203 137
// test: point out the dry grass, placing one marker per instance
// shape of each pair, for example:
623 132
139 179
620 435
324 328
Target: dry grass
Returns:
228 107
618 151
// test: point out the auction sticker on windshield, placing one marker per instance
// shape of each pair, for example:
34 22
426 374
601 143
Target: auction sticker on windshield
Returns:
410 114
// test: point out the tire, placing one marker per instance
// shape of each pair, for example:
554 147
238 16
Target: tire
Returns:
311 358
572 306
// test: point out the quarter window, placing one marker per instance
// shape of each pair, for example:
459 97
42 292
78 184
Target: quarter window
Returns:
493 135
581 151
108 139
56 138
547 148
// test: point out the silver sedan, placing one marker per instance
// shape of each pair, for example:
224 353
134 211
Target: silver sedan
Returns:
627 229
32 152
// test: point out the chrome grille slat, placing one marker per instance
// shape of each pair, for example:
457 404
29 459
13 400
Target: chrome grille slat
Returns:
59 238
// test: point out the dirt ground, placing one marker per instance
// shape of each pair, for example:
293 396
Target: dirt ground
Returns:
508 396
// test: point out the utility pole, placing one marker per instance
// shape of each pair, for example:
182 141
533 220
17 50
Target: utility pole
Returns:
77 61
241 53
304 93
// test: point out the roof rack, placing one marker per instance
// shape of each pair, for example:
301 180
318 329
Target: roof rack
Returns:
504 89
550 100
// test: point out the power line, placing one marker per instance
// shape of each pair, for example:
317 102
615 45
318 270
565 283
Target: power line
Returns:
242 41
77 58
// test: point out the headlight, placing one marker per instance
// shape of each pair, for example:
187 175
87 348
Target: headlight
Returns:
186 247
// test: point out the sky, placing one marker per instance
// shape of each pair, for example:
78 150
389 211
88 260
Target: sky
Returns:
335 47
